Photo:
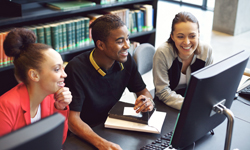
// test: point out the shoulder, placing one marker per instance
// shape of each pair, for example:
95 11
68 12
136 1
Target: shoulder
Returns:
165 54
77 62
12 98
205 51
205 48
165 50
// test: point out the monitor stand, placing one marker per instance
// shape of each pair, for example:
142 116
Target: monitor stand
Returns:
221 109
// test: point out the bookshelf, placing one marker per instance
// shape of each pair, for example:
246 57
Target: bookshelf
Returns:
41 14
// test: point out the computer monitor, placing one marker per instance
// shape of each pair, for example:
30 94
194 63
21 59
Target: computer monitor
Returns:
46 134
207 87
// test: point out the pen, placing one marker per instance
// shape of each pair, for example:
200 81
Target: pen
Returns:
143 99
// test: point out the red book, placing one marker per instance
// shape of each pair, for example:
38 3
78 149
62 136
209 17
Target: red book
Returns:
5 57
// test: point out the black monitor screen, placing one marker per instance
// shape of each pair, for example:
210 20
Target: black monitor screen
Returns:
45 134
207 87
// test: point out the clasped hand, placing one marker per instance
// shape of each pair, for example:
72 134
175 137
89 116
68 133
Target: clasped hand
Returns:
143 104
63 98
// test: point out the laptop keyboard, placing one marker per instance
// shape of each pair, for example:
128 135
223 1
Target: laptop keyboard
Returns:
160 143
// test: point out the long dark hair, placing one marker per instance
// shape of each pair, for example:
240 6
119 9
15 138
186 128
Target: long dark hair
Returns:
182 17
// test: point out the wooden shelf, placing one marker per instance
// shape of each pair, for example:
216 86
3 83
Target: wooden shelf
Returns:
45 12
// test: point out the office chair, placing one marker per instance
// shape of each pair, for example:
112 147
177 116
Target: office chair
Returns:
143 56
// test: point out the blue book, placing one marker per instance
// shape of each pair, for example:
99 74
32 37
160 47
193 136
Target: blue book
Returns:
138 15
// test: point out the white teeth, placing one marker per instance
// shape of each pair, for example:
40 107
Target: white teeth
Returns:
60 83
124 52
187 47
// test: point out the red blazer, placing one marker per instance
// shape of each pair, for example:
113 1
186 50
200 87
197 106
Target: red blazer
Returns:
15 110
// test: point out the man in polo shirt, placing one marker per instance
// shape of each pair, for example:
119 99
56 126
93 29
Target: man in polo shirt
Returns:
98 78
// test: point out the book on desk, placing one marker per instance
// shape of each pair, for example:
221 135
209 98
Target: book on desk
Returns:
152 123
118 111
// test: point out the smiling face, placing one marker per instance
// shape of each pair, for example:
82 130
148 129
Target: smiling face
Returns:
51 76
186 38
117 44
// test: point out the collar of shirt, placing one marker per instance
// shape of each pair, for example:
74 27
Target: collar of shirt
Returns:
99 69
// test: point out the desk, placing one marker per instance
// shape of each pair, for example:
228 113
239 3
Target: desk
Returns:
131 140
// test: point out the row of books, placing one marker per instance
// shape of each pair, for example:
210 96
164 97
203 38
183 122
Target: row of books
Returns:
68 34
63 35
4 59
138 19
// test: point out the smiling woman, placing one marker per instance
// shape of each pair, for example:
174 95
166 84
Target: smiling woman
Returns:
41 91
176 59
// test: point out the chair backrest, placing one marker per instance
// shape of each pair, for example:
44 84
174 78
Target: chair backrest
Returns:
143 56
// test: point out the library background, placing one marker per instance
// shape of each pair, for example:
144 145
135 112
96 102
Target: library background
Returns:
64 24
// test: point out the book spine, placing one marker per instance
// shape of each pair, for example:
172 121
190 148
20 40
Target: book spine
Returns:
149 17
130 22
40 34
77 31
5 57
64 36
54 36
138 20
69 34
1 49
87 30
82 31
143 20
47 34
134 27
73 32
60 37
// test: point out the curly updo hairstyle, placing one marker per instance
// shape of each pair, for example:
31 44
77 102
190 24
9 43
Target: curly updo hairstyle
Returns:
20 44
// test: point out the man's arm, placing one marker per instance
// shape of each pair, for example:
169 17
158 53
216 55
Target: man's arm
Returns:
144 101
83 130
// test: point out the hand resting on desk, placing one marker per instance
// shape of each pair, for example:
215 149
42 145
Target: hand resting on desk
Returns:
143 104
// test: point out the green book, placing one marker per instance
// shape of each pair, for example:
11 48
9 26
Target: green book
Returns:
40 34
60 36
69 34
64 36
70 5
47 34
82 30
77 31
86 30
73 32
54 36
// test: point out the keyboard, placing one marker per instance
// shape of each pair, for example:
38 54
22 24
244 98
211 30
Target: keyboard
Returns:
245 92
162 143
